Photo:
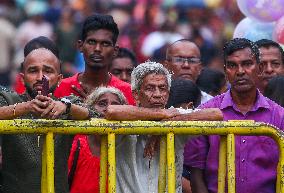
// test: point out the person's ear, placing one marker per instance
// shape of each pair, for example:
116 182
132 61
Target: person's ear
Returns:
136 97
115 51
22 77
80 45
200 69
166 64
60 77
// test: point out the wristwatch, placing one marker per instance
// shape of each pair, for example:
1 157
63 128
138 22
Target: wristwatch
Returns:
68 103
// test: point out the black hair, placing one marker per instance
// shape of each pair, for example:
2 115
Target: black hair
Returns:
275 90
40 42
126 53
183 91
238 44
270 43
211 81
97 22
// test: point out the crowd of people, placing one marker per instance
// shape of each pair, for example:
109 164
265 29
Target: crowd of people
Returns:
146 28
177 84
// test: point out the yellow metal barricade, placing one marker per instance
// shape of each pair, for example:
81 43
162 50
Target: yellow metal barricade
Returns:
108 130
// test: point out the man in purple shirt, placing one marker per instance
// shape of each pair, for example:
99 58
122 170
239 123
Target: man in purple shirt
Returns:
256 156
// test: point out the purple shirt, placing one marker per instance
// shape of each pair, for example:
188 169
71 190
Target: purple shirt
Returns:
256 156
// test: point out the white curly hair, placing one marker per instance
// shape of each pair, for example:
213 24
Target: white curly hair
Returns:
96 94
148 67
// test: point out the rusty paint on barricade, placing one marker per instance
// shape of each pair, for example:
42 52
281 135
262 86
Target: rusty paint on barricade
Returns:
111 163
170 128
43 170
231 163
171 163
162 165
50 162
280 167
222 165
103 163
101 126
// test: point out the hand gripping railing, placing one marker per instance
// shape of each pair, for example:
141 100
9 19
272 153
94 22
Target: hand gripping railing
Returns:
108 130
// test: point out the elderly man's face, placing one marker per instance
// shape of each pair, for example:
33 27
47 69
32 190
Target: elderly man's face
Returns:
242 70
154 92
38 63
270 64
183 60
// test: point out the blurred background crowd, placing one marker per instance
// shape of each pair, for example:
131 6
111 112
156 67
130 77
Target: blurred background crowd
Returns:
146 28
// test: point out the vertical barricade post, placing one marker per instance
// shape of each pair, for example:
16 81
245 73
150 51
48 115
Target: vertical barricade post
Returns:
231 163
162 166
222 164
103 164
50 162
111 163
171 163
43 166
280 167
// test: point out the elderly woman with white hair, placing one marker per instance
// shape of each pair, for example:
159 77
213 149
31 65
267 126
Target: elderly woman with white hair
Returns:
84 160
136 170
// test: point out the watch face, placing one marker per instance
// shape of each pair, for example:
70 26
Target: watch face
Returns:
65 100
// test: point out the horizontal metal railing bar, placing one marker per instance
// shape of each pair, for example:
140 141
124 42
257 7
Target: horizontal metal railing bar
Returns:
102 126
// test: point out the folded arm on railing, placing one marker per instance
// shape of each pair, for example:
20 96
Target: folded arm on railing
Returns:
128 112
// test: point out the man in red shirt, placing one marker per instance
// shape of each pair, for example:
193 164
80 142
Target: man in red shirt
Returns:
98 45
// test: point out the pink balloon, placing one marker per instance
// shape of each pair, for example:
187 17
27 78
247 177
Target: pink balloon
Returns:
254 30
279 31
262 10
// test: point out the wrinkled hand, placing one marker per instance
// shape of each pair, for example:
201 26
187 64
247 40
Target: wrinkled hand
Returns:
172 112
81 91
151 146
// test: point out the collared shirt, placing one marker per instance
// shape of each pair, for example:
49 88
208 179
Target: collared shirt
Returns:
256 156
139 174
136 173
205 97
